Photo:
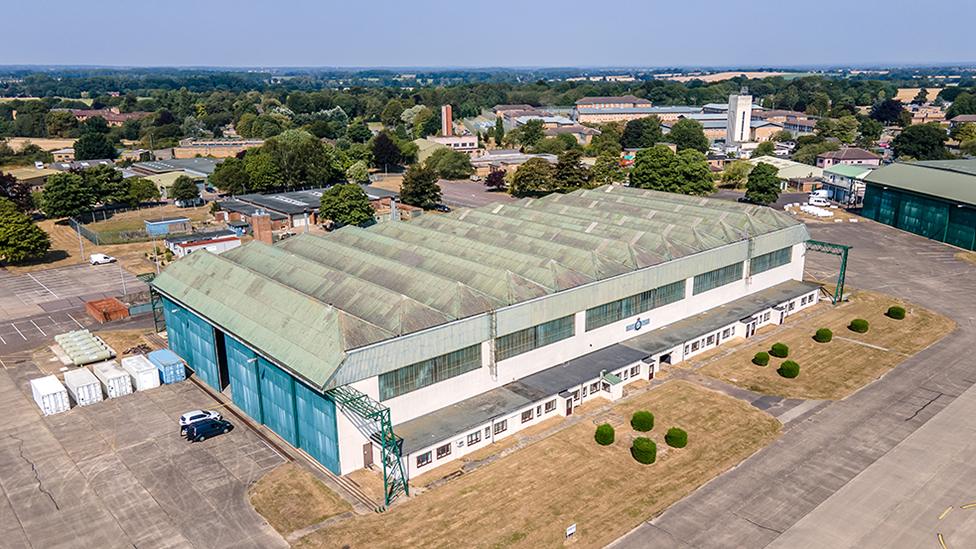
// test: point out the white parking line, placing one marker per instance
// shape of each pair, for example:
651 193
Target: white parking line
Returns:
43 333
19 332
76 321
2 340
42 285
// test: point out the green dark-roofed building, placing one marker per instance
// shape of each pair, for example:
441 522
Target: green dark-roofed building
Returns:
933 198
413 343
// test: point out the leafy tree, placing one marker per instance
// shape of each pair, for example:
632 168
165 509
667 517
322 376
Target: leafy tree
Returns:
964 103
391 113
142 190
688 134
107 183
61 124
230 176
534 177
869 131
358 132
302 159
655 168
642 133
736 174
782 135
693 174
968 147
531 133
66 194
763 185
570 173
18 192
499 131
95 124
921 97
184 188
964 132
887 111
495 180
765 148
607 140
20 239
844 128
386 151
807 154
346 204
450 164
91 146
607 169
419 187
922 142
358 172
263 173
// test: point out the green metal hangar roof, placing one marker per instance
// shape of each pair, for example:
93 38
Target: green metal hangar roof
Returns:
953 180
356 303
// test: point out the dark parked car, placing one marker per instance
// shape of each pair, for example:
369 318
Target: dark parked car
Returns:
442 208
206 428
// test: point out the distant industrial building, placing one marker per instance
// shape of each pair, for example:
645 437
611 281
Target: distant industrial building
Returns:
287 210
35 177
507 160
935 199
215 148
408 345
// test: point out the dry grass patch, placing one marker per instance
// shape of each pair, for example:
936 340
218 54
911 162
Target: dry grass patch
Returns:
836 369
529 497
120 340
968 257
66 251
133 220
291 498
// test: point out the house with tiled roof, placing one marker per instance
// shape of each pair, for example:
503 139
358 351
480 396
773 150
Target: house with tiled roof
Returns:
852 156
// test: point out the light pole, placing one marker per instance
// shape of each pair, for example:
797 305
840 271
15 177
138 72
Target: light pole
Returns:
81 243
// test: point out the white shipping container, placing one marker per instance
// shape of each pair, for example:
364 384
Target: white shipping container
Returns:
83 386
144 373
115 380
50 395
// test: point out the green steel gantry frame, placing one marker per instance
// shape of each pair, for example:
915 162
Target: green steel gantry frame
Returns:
394 476
838 250
159 319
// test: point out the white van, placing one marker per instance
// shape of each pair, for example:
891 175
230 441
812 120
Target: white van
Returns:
818 201
822 193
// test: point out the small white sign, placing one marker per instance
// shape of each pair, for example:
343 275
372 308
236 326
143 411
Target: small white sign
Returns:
571 530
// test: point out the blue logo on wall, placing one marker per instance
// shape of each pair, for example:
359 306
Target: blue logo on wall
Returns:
638 324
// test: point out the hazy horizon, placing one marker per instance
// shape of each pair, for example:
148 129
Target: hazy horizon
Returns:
302 34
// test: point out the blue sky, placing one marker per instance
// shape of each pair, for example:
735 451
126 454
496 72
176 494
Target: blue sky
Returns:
486 33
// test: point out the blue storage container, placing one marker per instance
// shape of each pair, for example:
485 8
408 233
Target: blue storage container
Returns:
171 367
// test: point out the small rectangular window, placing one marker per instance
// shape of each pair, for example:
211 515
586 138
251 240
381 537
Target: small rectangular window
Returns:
726 333
538 410
694 346
584 391
594 387
501 426
550 406
527 416
474 438
444 451
634 370
487 432
711 340
423 459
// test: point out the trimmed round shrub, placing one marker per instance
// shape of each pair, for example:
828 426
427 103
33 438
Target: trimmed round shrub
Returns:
676 438
858 325
644 450
642 421
823 335
604 434
788 369
896 312
761 358
779 350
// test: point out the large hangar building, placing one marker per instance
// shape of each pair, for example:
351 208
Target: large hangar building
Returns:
468 327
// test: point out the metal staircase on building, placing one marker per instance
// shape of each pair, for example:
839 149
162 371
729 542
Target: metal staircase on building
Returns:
358 403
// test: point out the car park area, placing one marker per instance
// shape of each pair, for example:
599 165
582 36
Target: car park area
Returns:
54 290
117 473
